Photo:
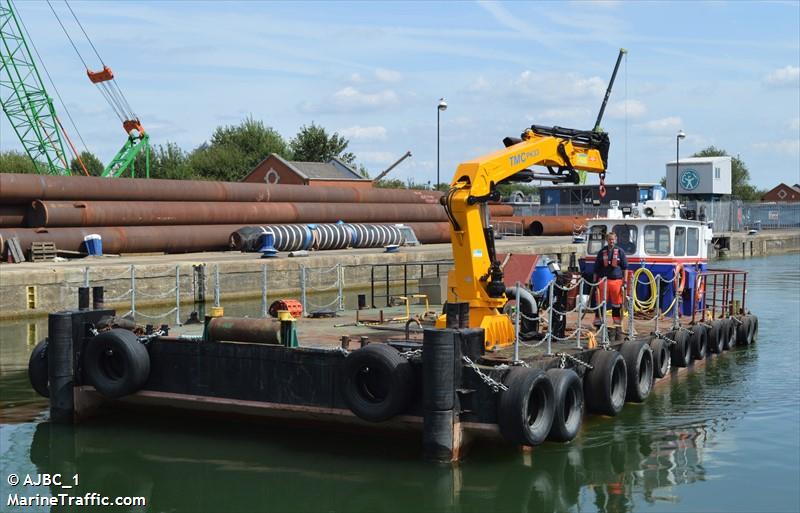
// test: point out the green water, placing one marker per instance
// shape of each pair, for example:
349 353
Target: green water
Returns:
725 437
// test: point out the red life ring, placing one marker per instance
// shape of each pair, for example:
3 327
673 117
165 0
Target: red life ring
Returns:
680 284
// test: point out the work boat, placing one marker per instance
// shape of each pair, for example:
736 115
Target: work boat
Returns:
663 242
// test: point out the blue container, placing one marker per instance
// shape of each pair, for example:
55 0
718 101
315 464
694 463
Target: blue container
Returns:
542 276
94 244
268 245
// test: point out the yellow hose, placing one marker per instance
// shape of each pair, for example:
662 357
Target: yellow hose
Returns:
650 304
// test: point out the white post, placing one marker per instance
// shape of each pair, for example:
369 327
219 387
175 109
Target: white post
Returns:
216 286
133 291
303 289
86 277
516 327
178 295
604 312
580 313
550 317
264 291
340 280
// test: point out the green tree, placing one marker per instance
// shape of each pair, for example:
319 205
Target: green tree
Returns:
314 144
13 161
92 163
235 150
740 175
166 161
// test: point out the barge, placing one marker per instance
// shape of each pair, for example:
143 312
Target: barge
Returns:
392 369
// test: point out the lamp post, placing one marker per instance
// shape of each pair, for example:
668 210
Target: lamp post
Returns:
441 108
681 135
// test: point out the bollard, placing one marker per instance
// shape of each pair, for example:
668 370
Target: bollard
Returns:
438 394
83 298
59 367
97 298
463 315
452 312
362 301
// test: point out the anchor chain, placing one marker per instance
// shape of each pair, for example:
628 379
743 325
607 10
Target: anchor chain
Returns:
564 357
669 341
496 386
412 353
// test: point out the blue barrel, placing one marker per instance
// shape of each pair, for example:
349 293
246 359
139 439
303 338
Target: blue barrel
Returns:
542 276
94 244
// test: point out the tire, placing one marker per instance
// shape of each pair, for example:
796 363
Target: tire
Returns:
525 410
698 342
680 352
754 338
639 365
661 359
604 385
116 363
728 333
37 369
377 382
716 339
567 405
743 329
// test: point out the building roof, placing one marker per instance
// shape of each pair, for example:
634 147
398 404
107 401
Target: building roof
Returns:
699 160
334 169
572 185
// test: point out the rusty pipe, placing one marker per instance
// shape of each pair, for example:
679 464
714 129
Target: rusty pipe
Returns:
163 213
167 239
556 225
501 210
240 329
12 215
23 188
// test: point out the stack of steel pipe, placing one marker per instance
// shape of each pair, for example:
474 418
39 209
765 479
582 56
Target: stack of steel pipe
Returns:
138 215
546 225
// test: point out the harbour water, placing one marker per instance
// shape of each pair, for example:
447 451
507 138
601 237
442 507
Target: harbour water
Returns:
723 437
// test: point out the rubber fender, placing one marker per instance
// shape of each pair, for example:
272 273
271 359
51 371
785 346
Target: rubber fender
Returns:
568 404
661 359
377 382
698 341
729 334
116 363
525 410
639 365
716 339
438 370
680 352
604 386
754 328
437 435
743 336
37 369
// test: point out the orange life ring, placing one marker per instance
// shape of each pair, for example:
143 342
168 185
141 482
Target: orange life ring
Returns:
700 289
680 284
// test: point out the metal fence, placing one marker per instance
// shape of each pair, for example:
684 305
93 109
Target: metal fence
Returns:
727 216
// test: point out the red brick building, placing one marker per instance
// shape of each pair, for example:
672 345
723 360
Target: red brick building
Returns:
275 169
783 192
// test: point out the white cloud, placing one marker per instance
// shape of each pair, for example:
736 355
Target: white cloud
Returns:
480 85
356 78
388 75
788 76
559 85
664 126
631 108
561 116
378 157
503 16
790 147
794 124
364 133
350 99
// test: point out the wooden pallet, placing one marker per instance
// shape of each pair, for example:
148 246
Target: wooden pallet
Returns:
43 251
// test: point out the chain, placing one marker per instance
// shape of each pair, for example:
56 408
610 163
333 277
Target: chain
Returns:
496 386
412 353
669 341
564 357
736 320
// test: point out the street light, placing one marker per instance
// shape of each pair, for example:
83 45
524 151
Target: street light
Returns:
442 107
681 135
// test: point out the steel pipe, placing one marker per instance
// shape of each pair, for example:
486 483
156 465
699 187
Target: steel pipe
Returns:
22 188
12 215
162 213
555 225
240 329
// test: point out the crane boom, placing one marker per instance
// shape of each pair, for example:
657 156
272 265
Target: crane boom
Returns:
25 101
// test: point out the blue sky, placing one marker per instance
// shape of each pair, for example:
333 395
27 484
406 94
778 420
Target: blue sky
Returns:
727 73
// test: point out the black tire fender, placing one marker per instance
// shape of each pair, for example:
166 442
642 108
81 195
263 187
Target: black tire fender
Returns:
639 365
525 410
680 352
377 382
716 338
567 404
116 363
605 384
661 359
728 333
698 341
743 329
754 324
37 369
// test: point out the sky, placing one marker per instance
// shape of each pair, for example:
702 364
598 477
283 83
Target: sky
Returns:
726 73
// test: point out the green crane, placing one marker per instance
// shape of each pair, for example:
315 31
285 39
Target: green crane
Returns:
25 101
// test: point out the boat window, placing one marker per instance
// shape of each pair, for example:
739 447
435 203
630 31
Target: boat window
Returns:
693 239
626 237
680 241
656 239
597 239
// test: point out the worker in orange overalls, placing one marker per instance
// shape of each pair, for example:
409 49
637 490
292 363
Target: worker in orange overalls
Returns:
611 263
